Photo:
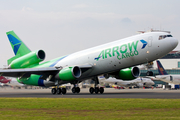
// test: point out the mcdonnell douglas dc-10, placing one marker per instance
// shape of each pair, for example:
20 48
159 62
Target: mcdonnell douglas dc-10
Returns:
112 59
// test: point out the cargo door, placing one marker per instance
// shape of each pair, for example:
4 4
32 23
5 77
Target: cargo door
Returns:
150 39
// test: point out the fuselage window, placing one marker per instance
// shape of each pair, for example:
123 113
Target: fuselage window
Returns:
164 36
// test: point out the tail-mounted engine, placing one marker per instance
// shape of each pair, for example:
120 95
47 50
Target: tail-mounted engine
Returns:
29 59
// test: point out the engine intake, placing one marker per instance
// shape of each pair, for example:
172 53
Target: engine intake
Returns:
41 54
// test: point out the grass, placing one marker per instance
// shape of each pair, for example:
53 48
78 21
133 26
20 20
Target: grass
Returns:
88 108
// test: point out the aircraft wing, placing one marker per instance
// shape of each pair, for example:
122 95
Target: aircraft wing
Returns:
157 78
28 71
38 71
85 67
151 77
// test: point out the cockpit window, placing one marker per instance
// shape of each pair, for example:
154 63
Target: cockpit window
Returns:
164 36
169 36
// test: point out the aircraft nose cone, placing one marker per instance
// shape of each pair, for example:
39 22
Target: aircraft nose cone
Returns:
174 42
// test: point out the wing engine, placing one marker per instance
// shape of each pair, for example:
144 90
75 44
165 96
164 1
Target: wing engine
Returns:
69 73
128 73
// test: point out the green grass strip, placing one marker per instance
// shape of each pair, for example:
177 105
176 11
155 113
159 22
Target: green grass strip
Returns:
89 108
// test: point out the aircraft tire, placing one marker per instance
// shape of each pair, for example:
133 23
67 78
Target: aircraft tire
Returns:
59 91
96 90
77 89
101 90
63 90
73 90
91 90
53 91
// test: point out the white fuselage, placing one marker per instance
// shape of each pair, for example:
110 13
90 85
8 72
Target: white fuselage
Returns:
121 54
140 82
175 79
15 83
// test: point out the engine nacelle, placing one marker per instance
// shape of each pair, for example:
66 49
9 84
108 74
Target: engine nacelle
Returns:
69 73
36 81
28 59
129 73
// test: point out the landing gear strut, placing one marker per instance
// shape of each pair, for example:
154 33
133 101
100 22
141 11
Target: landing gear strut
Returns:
96 89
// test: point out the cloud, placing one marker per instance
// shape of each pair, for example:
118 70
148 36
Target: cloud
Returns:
80 6
126 20
27 9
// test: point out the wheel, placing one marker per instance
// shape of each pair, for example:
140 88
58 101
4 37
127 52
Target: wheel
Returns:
101 90
96 90
77 89
53 91
59 91
73 90
149 73
91 90
63 90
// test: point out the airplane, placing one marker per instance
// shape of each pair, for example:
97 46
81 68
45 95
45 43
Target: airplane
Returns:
11 82
164 76
4 80
139 82
15 84
115 59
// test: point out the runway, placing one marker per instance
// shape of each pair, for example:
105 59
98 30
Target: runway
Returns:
109 93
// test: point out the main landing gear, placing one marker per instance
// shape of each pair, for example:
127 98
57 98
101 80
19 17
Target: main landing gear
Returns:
58 90
75 89
96 89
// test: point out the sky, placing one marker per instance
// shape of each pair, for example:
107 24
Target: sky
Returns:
61 27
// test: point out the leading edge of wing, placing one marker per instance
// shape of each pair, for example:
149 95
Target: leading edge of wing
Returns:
27 71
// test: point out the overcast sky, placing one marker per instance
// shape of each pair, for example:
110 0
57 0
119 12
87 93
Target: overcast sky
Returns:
61 27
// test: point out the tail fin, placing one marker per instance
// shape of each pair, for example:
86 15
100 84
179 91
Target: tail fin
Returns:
161 69
17 45
2 77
